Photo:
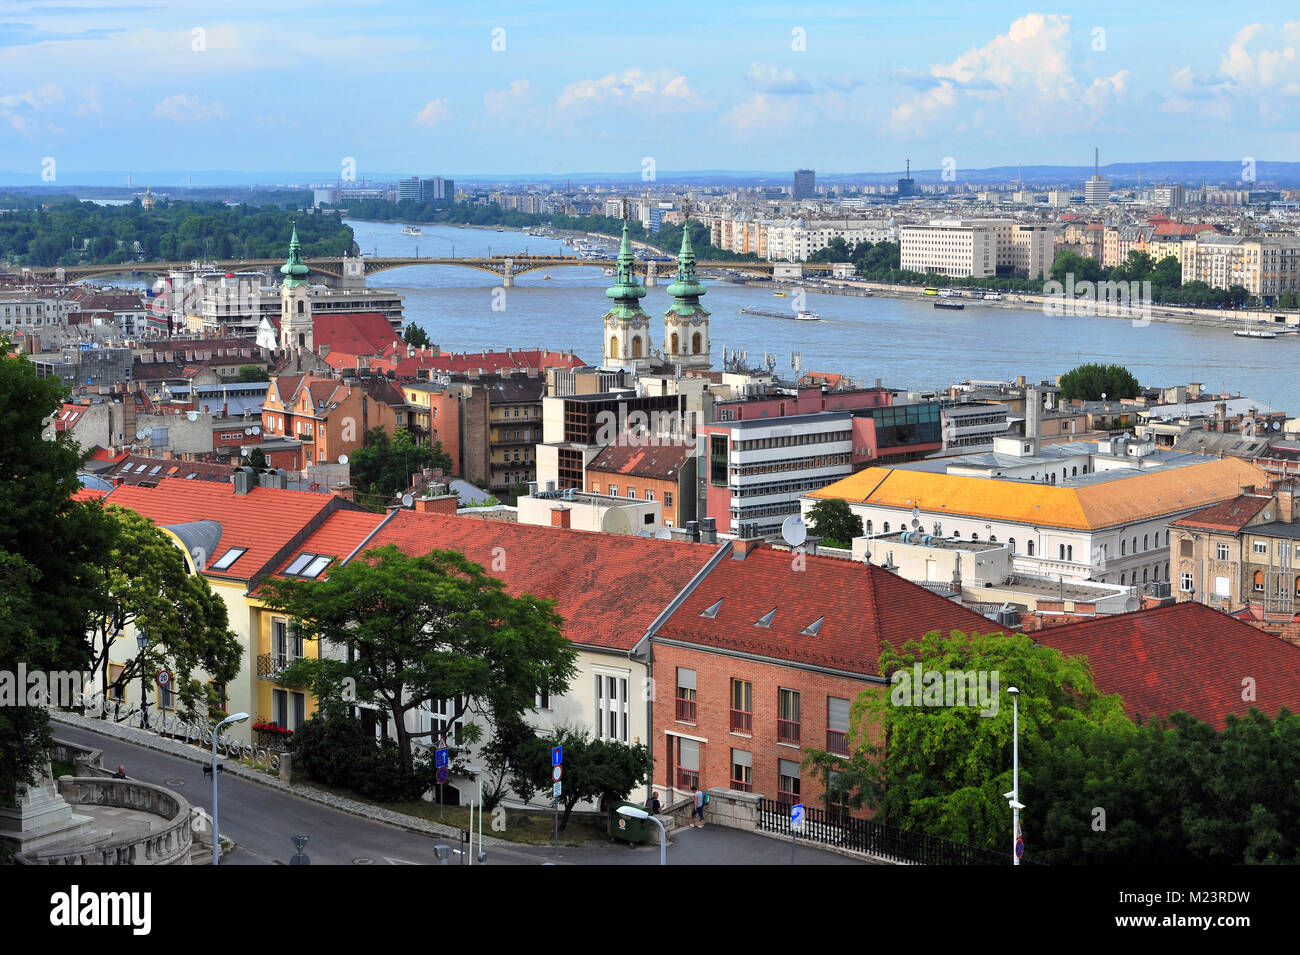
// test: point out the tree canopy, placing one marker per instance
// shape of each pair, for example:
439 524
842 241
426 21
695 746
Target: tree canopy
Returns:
834 521
415 335
601 770
428 628
383 466
1089 382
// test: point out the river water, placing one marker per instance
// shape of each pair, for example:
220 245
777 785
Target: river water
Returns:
907 344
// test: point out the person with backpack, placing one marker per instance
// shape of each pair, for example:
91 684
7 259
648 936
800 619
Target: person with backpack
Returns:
697 797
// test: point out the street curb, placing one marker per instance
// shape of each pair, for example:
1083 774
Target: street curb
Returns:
352 807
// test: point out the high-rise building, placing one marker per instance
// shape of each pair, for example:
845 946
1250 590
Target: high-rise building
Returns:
409 189
1096 191
907 185
438 189
805 183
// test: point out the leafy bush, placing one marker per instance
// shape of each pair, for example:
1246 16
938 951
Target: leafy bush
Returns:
337 751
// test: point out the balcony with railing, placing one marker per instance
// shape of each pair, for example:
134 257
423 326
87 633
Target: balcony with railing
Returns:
742 721
685 710
787 731
741 785
686 778
837 743
271 665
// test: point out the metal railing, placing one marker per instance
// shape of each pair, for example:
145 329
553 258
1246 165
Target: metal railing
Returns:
271 665
742 786
787 731
837 828
686 710
742 721
686 778
837 743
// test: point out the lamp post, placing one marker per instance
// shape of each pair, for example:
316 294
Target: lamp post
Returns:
216 825
142 641
632 812
1014 795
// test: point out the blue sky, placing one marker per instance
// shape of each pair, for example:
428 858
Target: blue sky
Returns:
483 88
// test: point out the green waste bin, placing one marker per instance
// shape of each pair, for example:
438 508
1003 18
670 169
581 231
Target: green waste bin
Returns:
628 828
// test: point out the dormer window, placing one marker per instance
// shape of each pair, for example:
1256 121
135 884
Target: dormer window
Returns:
229 557
307 565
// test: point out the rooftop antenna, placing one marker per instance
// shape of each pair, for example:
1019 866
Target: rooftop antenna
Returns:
1096 162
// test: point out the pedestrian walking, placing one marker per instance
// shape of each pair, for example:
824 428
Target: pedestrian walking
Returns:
697 797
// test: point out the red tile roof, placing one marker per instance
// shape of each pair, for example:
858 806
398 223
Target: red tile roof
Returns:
88 494
859 605
608 588
1230 515
663 462
264 520
395 357
340 534
358 333
1184 657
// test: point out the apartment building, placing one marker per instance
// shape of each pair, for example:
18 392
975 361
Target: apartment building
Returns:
979 248
1265 266
1205 552
327 417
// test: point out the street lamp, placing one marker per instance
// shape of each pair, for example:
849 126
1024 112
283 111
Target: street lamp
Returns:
142 641
632 812
1014 795
216 826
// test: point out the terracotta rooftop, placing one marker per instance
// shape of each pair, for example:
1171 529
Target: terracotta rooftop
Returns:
608 588
1228 516
1184 656
833 613
663 462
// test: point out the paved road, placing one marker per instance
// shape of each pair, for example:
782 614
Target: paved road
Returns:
261 820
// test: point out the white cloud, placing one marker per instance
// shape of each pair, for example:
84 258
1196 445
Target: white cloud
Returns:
1026 71
762 114
187 108
767 78
647 88
500 102
435 112
19 110
1270 65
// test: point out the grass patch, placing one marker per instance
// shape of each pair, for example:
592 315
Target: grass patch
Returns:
525 827
59 768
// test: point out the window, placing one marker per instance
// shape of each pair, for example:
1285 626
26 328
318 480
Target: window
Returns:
229 557
1184 547
787 716
1145 546
1259 581
631 493
668 498
1221 551
613 490
1069 552
1222 586
837 725
787 781
299 710
1123 548
543 699
116 690
649 495
1029 546
718 460
685 695
1259 547
688 763
1062 554
611 707
280 708
742 770
742 706
439 717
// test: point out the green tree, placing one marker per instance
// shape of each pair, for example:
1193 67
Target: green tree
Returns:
834 521
601 770
415 335
143 581
1089 382
1168 273
257 459
942 769
1072 263
434 627
383 466
252 373
49 546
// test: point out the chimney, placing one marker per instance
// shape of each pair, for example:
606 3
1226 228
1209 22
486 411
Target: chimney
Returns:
1033 416
693 531
346 491
244 479
440 504
741 549
561 517
1286 503
708 531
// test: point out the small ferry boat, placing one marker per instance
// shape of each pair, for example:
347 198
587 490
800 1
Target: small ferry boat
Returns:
949 304
779 294
807 316
1255 333
411 230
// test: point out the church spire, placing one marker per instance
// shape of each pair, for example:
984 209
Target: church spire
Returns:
294 269
686 323
687 289
627 326
626 289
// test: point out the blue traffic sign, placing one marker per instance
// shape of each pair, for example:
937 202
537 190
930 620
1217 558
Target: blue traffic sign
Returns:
796 815
1020 848
557 755
442 774
441 758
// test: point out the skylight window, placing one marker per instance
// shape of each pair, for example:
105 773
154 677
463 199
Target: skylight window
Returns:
301 561
229 557
316 566
813 628
308 565
711 612
766 619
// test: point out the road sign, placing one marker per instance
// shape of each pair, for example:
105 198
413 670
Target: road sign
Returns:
441 758
164 678
442 774
557 755
557 771
796 816
1020 848
555 790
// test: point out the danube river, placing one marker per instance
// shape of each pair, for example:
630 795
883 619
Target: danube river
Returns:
906 344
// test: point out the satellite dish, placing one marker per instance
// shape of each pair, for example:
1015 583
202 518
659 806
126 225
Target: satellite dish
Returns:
257 429
664 534
615 522
916 513
794 530
343 459
193 415
139 435
643 533
407 500
148 432
248 431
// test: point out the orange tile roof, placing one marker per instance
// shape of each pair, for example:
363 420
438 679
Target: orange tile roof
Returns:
608 588
1183 657
1089 507
264 520
88 494
859 606
340 534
